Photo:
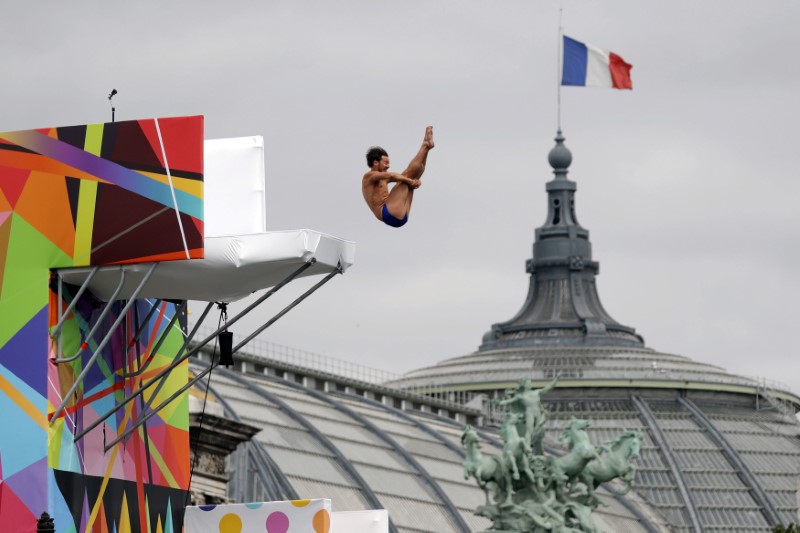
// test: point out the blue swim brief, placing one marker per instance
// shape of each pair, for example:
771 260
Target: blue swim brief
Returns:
391 220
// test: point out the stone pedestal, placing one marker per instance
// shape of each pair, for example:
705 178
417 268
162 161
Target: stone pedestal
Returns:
213 438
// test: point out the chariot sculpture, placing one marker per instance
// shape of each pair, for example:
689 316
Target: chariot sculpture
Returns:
530 492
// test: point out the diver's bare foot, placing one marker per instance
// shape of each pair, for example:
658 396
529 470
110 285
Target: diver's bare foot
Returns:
428 140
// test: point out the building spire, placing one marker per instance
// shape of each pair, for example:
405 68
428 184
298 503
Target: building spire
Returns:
562 307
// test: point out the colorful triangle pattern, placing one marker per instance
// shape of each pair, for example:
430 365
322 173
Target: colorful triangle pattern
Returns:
115 503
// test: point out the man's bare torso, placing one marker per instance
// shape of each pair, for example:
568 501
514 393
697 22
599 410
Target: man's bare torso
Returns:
375 192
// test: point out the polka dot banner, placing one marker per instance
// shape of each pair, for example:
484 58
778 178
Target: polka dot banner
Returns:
297 516
322 521
230 523
277 522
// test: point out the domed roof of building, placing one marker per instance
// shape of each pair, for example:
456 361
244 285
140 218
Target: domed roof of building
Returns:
365 448
562 326
720 452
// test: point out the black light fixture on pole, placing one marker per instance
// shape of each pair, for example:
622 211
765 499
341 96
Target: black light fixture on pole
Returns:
225 339
110 96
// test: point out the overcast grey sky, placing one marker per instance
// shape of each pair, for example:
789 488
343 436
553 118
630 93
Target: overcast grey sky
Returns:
688 184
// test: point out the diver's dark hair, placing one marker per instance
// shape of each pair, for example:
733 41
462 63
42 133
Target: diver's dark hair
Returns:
374 154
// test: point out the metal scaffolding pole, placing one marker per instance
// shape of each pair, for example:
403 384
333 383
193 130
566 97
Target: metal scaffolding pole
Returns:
202 374
100 346
166 370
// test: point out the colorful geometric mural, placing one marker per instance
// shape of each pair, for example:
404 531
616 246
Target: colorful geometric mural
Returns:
117 486
96 194
107 193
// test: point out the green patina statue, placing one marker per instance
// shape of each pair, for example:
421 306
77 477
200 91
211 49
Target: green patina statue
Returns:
529 492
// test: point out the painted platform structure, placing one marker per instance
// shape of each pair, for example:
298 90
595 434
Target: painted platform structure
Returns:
96 194
85 437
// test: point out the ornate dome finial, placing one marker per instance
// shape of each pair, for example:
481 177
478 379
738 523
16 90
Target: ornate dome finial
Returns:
560 157
562 307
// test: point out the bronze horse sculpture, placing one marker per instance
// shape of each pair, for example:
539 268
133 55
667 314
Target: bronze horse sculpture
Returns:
614 462
581 451
485 470
535 492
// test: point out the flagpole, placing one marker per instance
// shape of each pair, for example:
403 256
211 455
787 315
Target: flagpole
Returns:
558 64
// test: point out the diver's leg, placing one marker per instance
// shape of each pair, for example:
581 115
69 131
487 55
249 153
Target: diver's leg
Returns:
398 203
417 165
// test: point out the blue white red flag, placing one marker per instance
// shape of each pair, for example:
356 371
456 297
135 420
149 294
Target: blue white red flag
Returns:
588 66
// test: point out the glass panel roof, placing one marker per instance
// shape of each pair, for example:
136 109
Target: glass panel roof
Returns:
288 393
654 478
727 518
677 423
230 390
342 498
308 465
702 461
765 442
786 482
771 464
728 498
415 515
713 480
444 470
689 440
403 429
475 523
394 482
344 431
259 414
616 518
318 410
762 443
427 449
375 414
294 439
370 454
465 497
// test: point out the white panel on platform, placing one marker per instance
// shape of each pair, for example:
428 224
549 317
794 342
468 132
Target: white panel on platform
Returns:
296 516
234 195
376 521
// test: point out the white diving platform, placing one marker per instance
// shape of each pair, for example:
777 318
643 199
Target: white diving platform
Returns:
233 268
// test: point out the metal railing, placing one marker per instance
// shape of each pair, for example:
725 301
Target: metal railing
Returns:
286 355
278 355
330 365
767 390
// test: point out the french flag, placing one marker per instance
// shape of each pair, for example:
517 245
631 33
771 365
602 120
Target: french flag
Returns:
588 66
